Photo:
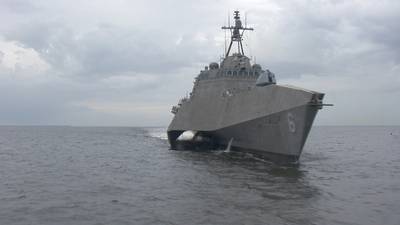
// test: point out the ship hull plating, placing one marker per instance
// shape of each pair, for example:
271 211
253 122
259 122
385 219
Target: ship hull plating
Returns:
274 128
280 136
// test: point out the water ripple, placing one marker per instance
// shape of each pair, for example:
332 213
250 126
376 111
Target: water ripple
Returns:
77 175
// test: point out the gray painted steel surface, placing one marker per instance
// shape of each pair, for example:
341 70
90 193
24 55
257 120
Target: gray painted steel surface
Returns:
226 104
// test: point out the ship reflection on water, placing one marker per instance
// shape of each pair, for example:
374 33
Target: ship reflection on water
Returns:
242 181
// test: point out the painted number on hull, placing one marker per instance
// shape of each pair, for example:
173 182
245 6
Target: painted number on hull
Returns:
291 123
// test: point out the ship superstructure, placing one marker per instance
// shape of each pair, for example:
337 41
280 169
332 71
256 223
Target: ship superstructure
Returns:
238 105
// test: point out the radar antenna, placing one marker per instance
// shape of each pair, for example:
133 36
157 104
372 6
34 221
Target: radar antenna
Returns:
236 35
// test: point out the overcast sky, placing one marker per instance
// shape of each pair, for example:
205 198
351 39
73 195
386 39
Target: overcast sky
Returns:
125 63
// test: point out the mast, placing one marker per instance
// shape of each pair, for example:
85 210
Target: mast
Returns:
236 34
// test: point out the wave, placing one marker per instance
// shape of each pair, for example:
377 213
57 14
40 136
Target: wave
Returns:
157 132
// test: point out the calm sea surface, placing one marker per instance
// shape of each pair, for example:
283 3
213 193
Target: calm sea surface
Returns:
74 175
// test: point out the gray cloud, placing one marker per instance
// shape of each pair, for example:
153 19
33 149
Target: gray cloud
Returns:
125 63
18 6
108 50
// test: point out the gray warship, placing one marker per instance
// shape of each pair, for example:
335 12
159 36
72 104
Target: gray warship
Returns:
237 105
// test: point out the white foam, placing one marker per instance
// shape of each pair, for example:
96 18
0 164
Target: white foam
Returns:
158 132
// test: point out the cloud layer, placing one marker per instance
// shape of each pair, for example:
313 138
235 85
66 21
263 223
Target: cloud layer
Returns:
126 63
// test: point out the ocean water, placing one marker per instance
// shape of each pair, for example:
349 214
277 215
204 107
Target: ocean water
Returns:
80 175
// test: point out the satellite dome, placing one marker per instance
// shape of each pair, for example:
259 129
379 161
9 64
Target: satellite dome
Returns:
214 66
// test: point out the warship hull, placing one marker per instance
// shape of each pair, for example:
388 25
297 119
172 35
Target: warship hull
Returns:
270 121
238 105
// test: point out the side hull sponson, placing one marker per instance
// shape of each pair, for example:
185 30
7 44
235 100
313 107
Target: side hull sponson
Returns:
282 133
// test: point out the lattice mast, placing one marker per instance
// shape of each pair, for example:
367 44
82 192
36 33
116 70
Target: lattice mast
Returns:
236 33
